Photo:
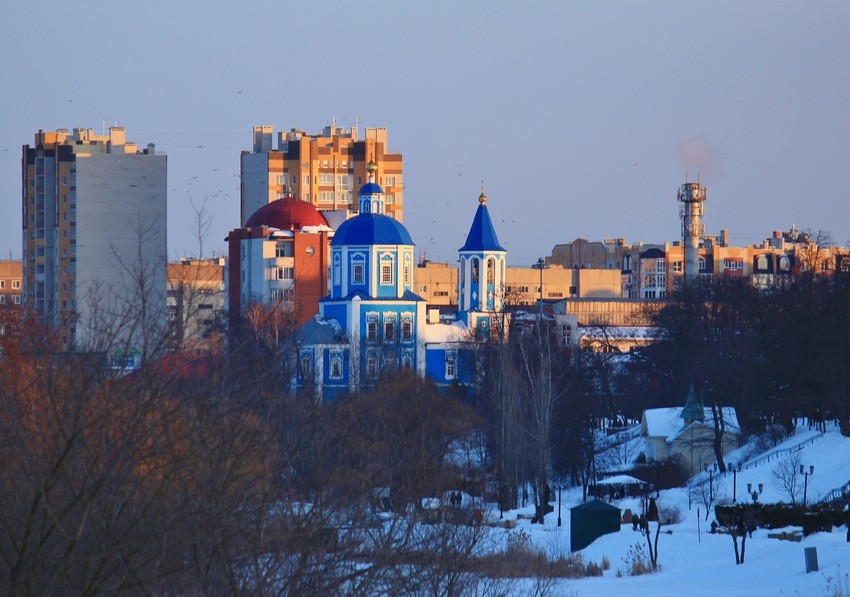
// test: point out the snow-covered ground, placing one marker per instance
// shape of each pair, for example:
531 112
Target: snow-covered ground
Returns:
695 562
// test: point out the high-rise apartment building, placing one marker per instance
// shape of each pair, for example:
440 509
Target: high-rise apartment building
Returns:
94 238
325 170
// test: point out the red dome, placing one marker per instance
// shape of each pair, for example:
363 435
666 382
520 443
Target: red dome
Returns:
288 213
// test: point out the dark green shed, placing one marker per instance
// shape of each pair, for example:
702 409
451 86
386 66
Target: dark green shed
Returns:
591 520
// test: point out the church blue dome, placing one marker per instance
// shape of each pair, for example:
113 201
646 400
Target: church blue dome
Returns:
371 229
371 188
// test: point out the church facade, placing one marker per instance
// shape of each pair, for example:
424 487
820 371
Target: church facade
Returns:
372 323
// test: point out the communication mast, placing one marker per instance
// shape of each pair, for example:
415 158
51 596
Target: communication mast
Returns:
691 199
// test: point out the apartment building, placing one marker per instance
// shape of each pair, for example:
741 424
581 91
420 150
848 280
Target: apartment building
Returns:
280 258
437 283
94 237
196 304
324 170
11 286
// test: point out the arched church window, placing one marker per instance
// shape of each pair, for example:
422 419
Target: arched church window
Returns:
306 366
761 262
491 267
475 271
784 263
386 273
336 367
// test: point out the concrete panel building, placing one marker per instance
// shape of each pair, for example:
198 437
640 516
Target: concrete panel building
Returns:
94 239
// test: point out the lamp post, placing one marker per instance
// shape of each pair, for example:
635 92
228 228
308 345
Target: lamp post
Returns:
755 493
735 471
710 472
540 266
811 471
560 486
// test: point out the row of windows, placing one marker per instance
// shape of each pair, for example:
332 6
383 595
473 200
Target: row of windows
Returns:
345 197
389 330
390 362
283 295
16 284
358 274
16 299
283 273
491 268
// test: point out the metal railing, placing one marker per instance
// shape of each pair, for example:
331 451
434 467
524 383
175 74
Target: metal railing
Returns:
774 454
839 494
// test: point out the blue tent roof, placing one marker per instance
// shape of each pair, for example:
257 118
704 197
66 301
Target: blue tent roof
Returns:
482 235
371 229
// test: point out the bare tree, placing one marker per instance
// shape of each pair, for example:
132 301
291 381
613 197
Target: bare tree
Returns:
544 375
201 223
786 475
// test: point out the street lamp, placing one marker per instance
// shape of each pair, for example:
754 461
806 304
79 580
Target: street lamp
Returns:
811 471
755 494
710 472
540 266
560 487
735 471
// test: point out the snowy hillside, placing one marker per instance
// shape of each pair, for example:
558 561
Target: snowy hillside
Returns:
694 562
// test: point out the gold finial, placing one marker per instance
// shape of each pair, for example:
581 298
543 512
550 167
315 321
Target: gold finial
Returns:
482 198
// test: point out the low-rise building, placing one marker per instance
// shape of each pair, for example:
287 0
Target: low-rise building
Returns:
196 304
687 433
11 274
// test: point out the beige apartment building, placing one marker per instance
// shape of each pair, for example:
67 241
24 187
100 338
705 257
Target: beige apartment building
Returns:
325 170
437 283
196 304
11 286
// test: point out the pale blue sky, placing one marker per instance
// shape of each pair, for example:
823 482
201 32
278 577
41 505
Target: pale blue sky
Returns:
582 118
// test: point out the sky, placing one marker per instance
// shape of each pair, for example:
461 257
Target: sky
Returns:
580 118
695 563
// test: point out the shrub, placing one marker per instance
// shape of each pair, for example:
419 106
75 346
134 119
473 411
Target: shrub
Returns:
636 562
669 515
812 519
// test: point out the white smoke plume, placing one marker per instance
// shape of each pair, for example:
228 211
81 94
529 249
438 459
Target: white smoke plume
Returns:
699 158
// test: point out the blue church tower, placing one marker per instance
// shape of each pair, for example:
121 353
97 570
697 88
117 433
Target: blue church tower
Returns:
481 276
372 322
375 316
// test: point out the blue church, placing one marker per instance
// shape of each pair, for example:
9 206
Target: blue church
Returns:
372 323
